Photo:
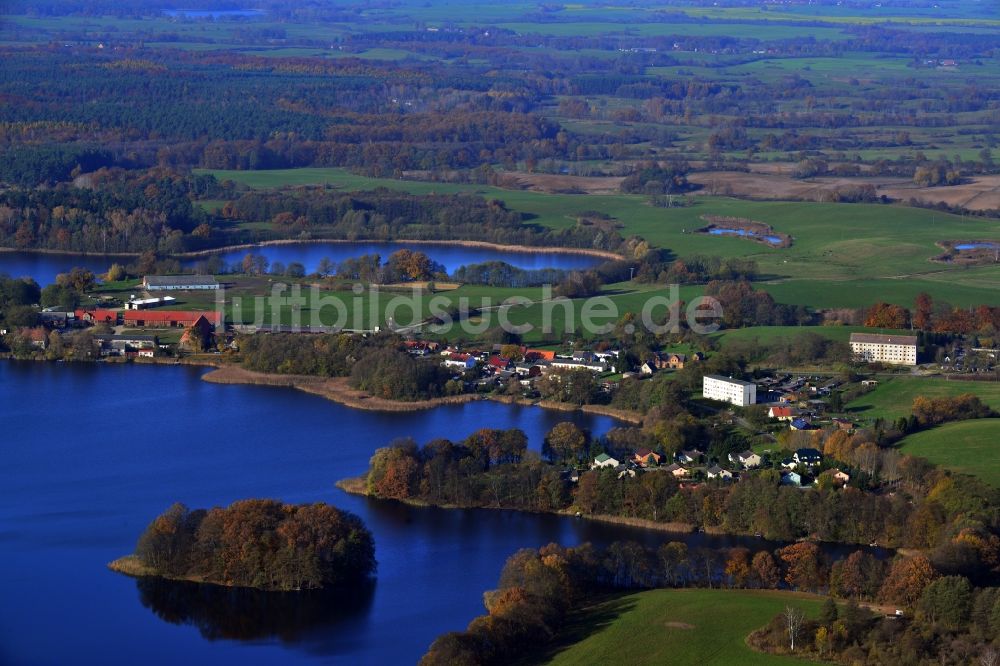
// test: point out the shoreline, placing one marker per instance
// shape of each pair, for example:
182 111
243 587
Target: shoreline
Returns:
499 247
355 485
337 389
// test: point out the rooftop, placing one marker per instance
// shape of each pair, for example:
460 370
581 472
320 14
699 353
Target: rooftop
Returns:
879 339
730 380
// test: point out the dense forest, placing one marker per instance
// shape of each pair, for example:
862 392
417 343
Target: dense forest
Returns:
261 544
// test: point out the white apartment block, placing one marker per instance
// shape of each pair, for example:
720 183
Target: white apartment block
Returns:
727 389
893 349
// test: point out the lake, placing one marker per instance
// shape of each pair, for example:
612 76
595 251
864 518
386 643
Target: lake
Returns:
92 453
44 267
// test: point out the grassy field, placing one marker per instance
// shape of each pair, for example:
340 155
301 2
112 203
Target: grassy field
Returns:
255 300
766 334
971 447
843 255
894 396
679 627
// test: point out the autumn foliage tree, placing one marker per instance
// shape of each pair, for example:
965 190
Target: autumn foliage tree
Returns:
887 315
261 544
804 566
906 580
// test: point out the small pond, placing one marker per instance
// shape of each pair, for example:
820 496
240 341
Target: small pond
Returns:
745 233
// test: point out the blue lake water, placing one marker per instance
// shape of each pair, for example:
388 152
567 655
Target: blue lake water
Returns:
44 267
450 256
91 453
978 246
774 240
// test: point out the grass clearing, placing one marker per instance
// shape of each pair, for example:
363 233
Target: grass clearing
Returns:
894 396
971 447
678 627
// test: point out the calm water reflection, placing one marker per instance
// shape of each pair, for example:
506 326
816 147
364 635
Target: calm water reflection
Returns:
45 267
90 453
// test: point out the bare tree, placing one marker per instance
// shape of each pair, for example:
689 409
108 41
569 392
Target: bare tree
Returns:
990 657
793 623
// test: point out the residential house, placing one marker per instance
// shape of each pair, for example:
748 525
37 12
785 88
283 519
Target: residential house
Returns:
843 424
675 361
38 337
604 460
799 424
748 459
782 412
143 346
646 458
689 456
624 470
647 368
716 472
528 369
836 476
808 457
498 364
461 362
677 471
56 319
791 479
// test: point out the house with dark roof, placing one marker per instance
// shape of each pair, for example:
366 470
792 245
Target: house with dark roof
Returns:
799 424
808 457
716 472
748 459
791 479
689 456
677 471
646 457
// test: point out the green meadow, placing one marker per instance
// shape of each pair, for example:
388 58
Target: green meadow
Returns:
894 396
843 255
677 627
970 447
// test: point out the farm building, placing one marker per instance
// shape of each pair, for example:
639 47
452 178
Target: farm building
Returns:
168 318
179 282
